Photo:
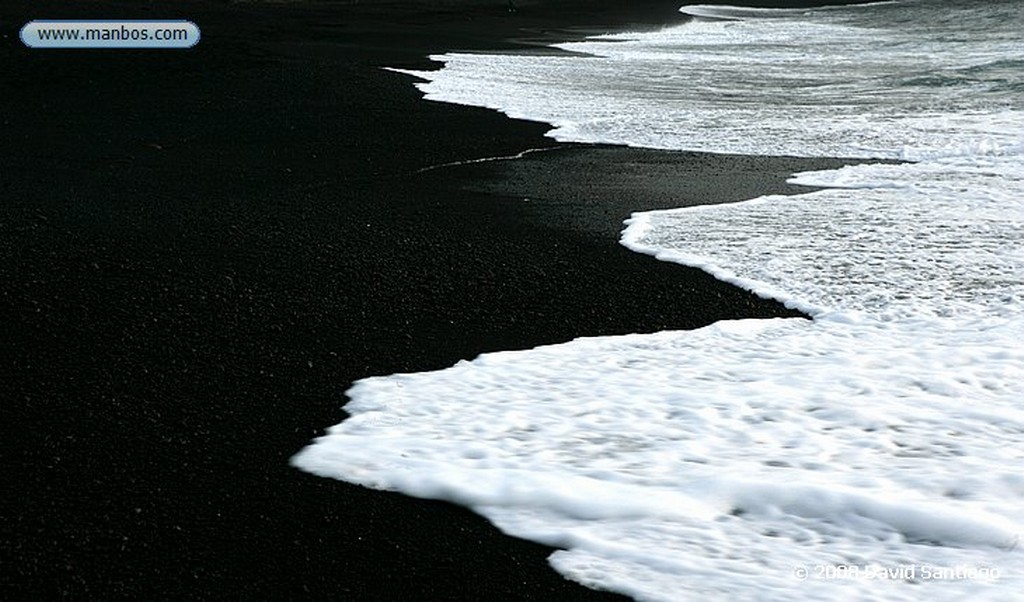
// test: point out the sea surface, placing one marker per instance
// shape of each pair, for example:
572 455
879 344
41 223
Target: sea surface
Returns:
875 452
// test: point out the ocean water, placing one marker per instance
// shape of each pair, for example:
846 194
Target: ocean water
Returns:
875 452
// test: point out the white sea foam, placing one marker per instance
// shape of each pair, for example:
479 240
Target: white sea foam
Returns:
721 460
871 453
895 242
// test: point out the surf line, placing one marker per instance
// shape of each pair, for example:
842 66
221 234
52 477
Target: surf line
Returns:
514 157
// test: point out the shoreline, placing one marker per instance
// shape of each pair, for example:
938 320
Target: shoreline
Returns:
202 250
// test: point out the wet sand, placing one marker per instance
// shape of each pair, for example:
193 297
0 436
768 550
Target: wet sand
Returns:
200 251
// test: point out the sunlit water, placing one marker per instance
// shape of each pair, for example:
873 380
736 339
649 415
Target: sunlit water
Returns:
875 452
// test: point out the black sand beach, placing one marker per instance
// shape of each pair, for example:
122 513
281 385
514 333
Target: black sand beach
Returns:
201 250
